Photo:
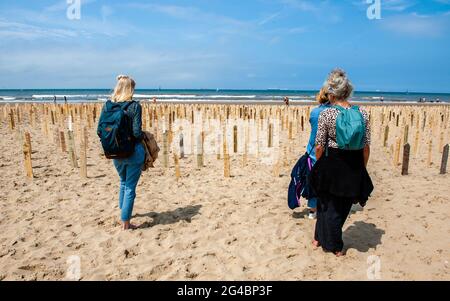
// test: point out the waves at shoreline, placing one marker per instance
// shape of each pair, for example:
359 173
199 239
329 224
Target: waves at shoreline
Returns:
204 96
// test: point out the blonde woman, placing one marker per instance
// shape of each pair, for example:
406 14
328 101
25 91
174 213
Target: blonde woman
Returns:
324 103
129 167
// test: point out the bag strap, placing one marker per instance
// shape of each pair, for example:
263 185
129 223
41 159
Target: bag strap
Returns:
339 108
127 105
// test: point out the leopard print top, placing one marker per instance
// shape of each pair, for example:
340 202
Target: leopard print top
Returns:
327 128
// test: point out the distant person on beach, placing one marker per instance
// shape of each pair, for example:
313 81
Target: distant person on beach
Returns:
286 101
65 99
54 99
382 99
324 103
154 99
130 167
339 178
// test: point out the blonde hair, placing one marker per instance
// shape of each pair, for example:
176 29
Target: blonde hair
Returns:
322 96
124 89
339 85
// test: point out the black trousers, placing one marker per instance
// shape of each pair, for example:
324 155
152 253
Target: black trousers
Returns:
331 216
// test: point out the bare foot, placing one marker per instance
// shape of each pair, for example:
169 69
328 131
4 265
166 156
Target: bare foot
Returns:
339 254
316 244
129 226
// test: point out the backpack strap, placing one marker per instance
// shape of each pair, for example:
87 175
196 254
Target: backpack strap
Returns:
339 108
127 105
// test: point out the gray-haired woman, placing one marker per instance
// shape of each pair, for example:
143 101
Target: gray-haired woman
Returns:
339 177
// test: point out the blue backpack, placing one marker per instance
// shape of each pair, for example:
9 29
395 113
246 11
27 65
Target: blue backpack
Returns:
299 185
115 130
350 128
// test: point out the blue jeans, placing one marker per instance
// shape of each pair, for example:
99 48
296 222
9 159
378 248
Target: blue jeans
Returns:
129 170
312 203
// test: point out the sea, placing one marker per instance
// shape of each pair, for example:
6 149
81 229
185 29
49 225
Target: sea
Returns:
209 95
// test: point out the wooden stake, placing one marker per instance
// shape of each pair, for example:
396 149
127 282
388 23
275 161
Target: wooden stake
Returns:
441 141
444 160
405 165
386 136
235 139
165 150
245 156
416 143
200 150
270 137
406 134
72 154
218 146
27 155
11 120
177 167
397 152
62 140
226 156
290 130
430 154
83 153
181 146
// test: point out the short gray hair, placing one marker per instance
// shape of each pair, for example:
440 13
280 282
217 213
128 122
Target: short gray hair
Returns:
338 84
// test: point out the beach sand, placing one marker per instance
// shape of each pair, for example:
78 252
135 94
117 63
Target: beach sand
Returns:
207 227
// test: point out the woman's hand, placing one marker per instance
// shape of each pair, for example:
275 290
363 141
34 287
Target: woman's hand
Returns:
366 155
319 152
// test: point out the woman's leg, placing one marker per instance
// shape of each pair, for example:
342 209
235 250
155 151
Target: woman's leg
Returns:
336 215
133 174
122 171
312 204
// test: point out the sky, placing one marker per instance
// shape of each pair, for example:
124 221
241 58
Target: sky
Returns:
226 44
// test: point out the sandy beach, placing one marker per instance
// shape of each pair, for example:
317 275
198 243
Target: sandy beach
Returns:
207 227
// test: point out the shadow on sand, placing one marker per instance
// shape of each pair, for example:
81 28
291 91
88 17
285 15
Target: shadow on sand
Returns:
299 215
362 236
170 217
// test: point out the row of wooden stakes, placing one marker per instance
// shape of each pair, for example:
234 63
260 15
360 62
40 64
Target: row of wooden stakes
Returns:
292 120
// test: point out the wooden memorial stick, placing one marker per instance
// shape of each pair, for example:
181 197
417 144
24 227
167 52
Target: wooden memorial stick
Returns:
177 167
226 156
27 155
83 153
200 150
235 139
444 160
63 142
386 136
397 152
430 153
165 150
405 165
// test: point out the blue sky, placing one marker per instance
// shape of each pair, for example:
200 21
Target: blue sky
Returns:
242 44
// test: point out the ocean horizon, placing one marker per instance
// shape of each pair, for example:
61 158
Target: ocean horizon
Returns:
205 95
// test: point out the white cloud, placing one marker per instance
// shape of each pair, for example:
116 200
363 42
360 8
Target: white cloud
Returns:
106 11
397 5
187 13
93 66
415 25
302 5
269 18
17 30
31 24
